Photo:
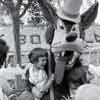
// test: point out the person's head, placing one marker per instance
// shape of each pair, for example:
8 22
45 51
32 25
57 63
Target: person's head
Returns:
38 56
88 92
3 51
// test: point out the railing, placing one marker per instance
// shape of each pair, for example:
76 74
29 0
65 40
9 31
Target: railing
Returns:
93 53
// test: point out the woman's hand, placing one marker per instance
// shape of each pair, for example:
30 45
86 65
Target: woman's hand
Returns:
47 84
36 92
12 97
52 77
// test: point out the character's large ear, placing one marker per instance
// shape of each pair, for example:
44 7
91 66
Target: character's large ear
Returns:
89 16
48 11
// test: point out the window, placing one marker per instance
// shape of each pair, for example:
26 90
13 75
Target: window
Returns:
35 39
22 39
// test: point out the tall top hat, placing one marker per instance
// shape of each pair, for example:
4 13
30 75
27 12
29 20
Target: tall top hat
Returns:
69 10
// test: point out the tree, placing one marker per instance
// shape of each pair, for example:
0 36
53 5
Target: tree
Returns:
17 9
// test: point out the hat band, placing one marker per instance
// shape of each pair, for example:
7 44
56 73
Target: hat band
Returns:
70 15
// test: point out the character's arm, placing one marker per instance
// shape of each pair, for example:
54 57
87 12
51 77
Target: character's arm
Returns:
89 16
36 92
48 84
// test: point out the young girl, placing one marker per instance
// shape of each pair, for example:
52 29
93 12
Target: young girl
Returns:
37 79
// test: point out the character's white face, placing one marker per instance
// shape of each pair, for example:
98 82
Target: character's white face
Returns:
60 34
62 31
41 62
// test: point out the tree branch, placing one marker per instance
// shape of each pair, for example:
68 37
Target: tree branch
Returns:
4 3
26 7
19 3
12 9
48 11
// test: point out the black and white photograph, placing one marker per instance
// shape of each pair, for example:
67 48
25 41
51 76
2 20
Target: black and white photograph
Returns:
49 50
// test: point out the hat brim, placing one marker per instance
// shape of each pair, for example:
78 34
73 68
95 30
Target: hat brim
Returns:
63 16
67 47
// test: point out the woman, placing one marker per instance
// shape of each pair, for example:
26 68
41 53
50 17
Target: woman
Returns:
5 89
37 78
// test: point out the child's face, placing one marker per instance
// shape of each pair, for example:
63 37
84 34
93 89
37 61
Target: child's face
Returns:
41 62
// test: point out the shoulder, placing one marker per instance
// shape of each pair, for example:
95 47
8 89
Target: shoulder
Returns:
29 68
28 65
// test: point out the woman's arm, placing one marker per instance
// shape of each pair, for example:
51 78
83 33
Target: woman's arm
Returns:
36 92
48 84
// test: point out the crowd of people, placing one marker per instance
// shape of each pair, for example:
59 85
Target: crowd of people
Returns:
36 77
70 76
78 83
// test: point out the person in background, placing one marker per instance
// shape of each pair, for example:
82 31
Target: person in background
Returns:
93 74
5 89
88 92
70 72
3 52
37 78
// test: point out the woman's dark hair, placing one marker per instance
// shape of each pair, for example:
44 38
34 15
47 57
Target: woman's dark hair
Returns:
3 51
36 53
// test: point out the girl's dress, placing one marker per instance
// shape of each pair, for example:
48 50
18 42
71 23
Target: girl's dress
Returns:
38 78
34 80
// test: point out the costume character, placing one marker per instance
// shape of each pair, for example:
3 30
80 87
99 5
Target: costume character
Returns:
66 26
